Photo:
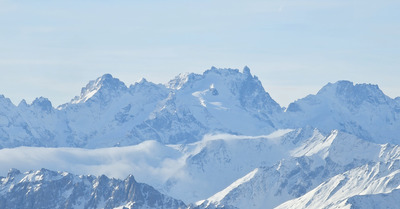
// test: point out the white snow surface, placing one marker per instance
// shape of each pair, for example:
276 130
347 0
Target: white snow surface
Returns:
370 179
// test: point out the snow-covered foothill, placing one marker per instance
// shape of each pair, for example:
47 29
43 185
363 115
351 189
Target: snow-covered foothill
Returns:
314 161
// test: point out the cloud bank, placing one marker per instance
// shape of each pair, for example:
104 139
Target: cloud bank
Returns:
149 161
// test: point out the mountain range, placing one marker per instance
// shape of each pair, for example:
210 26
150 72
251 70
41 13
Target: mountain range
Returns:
213 140
50 189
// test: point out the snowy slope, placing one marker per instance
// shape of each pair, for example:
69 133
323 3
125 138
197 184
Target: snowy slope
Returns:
376 201
49 189
311 163
107 113
216 161
36 124
370 185
345 189
223 96
213 102
360 109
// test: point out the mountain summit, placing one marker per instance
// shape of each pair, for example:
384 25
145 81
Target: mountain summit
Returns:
361 109
355 95
213 102
102 88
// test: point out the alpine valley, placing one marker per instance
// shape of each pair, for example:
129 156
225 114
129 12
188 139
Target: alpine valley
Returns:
215 140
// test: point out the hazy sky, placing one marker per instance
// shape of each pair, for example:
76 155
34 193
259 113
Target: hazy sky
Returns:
53 48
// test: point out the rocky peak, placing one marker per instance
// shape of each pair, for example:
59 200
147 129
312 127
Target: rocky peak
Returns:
181 80
51 189
5 101
246 71
23 104
13 172
143 84
102 88
184 80
43 104
108 82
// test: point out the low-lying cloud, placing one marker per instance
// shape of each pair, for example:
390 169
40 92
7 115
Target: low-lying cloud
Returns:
149 161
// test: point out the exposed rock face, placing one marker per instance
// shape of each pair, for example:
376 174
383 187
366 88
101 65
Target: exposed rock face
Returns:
44 189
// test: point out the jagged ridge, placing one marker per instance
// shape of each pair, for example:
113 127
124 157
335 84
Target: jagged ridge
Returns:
49 189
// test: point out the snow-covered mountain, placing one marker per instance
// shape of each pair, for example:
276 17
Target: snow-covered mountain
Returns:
107 113
215 162
49 189
216 140
314 172
266 171
350 189
360 109
36 124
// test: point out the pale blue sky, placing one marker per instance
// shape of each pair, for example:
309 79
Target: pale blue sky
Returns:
53 48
